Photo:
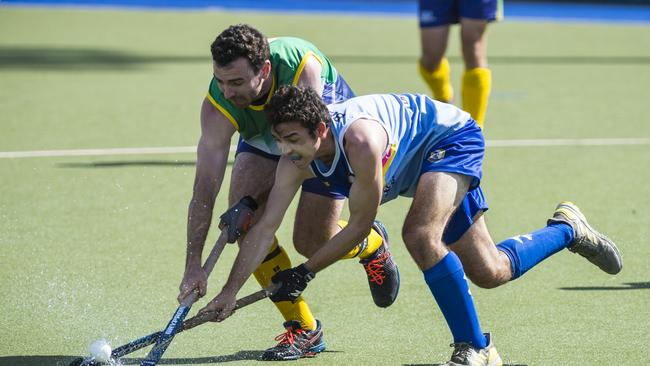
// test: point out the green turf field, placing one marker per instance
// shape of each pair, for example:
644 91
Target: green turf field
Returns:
93 246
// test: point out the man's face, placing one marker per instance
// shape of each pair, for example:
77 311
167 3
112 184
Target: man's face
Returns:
239 83
296 143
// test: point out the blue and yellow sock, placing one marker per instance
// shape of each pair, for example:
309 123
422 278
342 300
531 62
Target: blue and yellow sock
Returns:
276 261
526 251
449 287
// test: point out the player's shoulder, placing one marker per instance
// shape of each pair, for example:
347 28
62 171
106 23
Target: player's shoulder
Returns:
285 46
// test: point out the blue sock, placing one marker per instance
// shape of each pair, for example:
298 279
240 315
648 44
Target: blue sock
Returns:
525 251
449 287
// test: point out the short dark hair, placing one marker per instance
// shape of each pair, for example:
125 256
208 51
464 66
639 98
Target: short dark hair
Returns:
240 40
297 104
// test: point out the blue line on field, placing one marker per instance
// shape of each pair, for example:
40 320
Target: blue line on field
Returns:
513 10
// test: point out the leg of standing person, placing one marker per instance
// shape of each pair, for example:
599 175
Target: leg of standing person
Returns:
435 20
477 78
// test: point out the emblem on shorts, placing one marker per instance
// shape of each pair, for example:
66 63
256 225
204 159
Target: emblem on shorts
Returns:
427 16
436 155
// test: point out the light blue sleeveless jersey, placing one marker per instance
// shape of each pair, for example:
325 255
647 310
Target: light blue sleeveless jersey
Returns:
414 124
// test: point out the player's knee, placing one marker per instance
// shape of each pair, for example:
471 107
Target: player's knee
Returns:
303 245
412 236
486 278
485 282
415 236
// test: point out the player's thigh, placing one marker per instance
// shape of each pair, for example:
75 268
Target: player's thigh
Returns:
316 221
252 175
474 18
433 42
483 263
473 35
435 17
437 196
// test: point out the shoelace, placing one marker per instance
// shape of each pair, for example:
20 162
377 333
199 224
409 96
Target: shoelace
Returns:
289 337
462 351
375 268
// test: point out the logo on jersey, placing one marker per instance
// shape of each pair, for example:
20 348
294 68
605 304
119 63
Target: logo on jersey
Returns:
389 185
436 155
337 116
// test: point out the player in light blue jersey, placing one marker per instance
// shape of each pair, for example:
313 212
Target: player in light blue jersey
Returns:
377 147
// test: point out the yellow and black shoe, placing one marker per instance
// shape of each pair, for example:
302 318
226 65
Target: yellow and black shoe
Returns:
296 343
589 243
382 271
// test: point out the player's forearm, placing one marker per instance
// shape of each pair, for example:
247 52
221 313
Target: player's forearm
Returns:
337 247
199 218
252 252
209 176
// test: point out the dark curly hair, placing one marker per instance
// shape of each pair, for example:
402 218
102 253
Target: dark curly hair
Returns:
297 104
240 40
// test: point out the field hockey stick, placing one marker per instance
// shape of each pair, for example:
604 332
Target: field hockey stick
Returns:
176 321
190 323
181 312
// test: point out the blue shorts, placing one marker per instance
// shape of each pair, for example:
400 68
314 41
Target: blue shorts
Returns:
337 92
461 153
435 13
463 218
312 185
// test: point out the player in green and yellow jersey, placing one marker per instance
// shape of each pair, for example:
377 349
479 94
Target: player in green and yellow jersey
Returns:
248 68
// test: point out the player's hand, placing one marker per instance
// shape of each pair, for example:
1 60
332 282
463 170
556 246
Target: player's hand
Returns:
237 219
221 307
194 278
292 282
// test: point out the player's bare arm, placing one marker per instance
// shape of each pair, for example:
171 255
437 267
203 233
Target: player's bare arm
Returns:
311 75
212 156
259 239
365 142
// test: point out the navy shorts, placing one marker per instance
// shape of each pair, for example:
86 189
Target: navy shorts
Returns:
461 153
337 92
312 185
443 12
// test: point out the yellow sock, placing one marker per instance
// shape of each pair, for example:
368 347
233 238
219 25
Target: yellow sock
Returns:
438 81
367 247
276 261
476 91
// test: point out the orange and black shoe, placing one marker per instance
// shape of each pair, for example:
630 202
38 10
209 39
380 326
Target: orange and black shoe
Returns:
296 343
382 271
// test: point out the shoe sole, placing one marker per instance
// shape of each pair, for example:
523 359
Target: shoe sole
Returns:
311 353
